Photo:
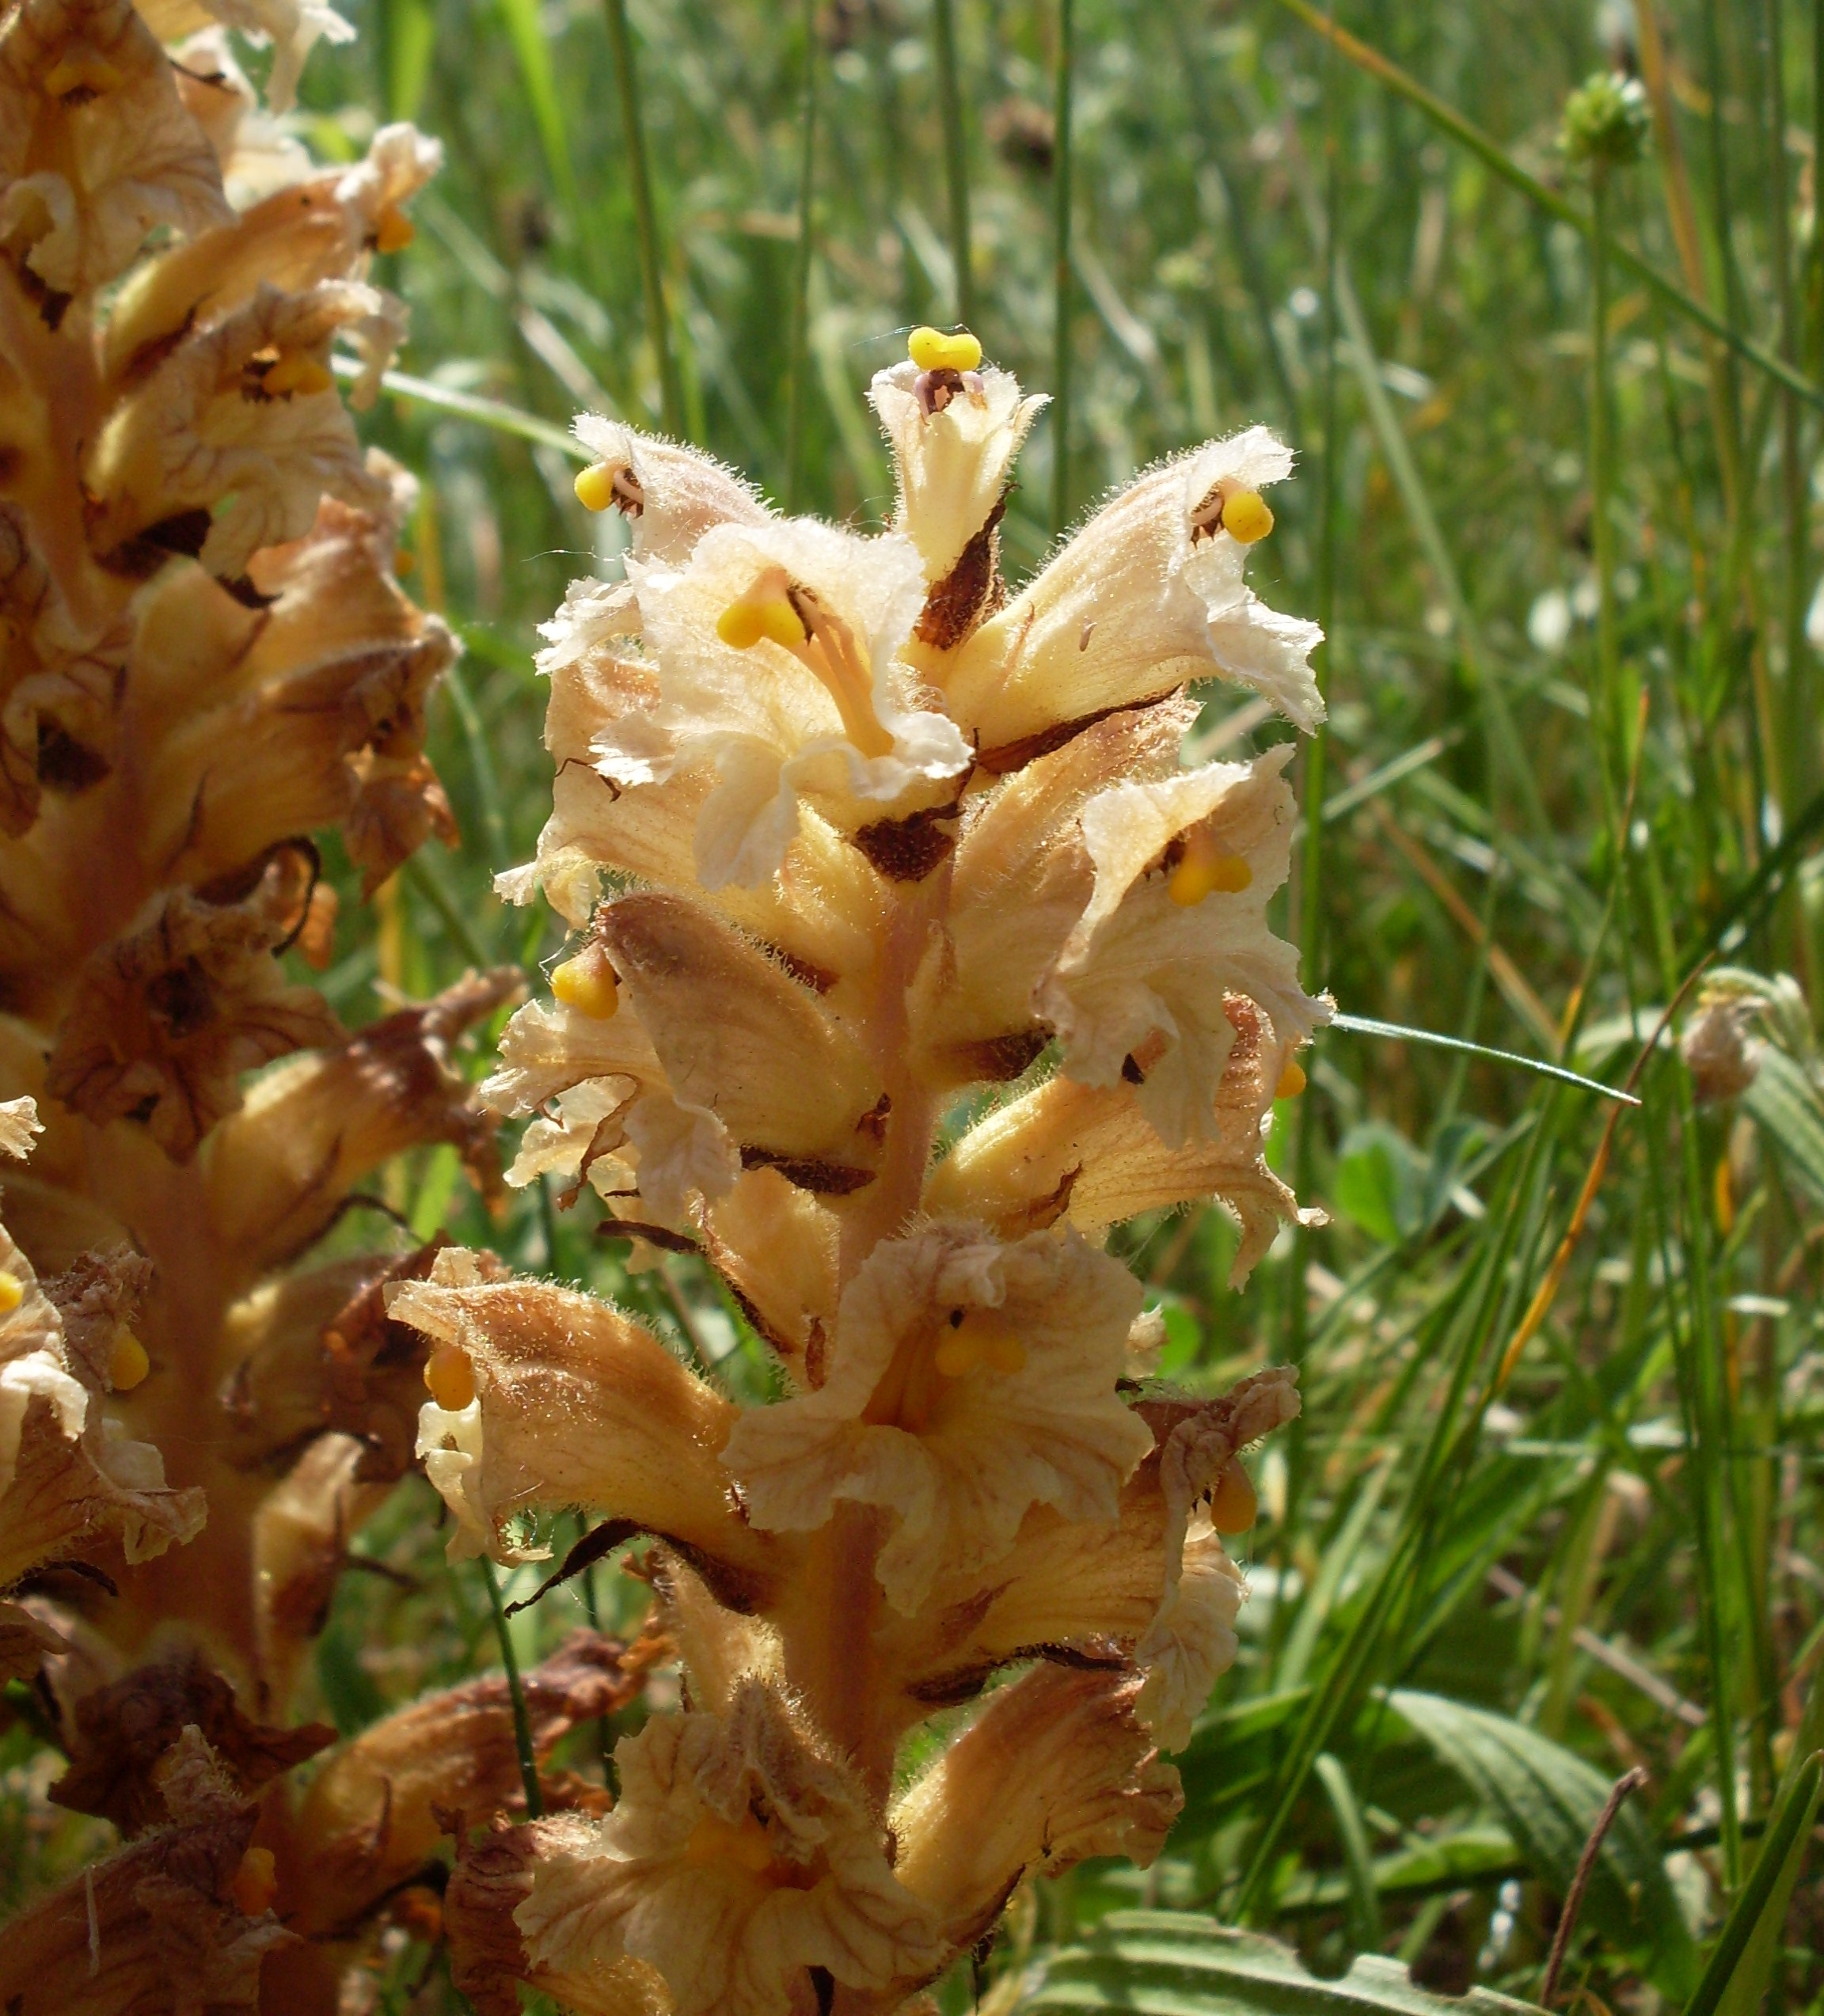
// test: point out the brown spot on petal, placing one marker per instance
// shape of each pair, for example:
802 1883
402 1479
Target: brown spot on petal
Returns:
972 591
908 849
1012 756
825 1178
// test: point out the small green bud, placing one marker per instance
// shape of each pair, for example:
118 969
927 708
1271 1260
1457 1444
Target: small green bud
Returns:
1606 120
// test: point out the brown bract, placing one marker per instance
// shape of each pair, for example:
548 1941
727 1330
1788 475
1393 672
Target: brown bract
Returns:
167 1018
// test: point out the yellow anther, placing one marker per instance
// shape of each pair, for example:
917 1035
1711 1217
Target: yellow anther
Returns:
1246 517
128 1363
1292 1080
12 1292
741 625
255 1883
82 70
1206 871
295 370
1233 1507
980 1339
450 1377
587 983
714 1839
594 487
931 350
393 229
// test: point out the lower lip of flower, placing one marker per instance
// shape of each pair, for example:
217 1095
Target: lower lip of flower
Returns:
925 1368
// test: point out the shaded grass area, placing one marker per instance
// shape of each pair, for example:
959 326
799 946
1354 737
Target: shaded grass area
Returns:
1558 1466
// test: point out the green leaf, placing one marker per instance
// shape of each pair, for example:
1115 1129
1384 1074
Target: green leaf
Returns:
1379 1182
1737 1976
1548 1800
1785 1100
1159 1963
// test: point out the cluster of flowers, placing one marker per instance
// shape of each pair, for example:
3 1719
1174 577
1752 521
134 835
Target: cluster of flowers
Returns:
909 959
205 658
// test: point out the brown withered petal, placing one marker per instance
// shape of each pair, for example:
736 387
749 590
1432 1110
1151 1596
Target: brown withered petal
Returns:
71 1494
166 1018
25 1642
110 161
488 1959
373 1814
123 1731
1054 1768
321 723
154 1926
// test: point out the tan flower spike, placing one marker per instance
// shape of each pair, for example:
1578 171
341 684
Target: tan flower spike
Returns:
908 961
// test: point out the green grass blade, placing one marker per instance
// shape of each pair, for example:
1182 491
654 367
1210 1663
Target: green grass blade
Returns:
1548 200
1360 1025
1761 1904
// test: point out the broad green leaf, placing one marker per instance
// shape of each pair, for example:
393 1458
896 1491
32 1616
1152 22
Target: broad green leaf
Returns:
1737 1976
1548 1800
1473 1855
1379 1182
1785 1099
1159 1963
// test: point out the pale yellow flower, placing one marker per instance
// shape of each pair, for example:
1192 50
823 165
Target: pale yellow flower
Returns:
1150 958
774 648
1089 1155
737 1856
1055 1767
953 459
967 1381
1148 594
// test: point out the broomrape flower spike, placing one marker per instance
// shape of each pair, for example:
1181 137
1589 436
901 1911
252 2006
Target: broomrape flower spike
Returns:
206 663
848 835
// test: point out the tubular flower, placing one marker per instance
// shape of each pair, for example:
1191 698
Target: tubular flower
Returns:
737 1857
845 837
207 664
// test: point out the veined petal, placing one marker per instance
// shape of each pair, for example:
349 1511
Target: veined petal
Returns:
1144 597
1055 1767
967 1381
738 1856
1088 1155
201 427
574 1403
87 173
1142 963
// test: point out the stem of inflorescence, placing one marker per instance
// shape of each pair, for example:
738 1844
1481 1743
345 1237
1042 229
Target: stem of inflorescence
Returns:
800 361
955 155
645 222
1061 273
516 1693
